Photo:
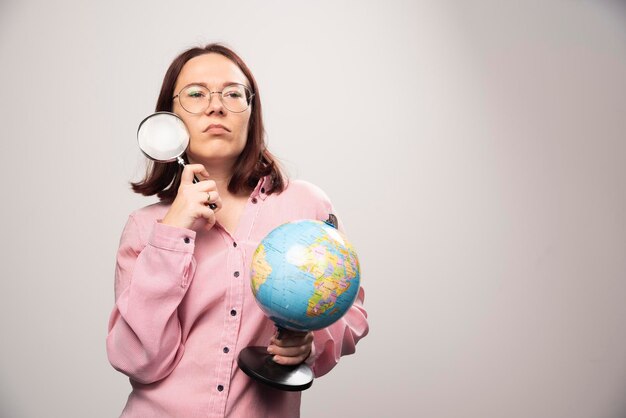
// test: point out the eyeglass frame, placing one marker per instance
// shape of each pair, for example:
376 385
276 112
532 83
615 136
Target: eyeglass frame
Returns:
249 101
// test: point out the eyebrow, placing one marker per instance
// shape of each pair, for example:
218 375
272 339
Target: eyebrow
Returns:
226 83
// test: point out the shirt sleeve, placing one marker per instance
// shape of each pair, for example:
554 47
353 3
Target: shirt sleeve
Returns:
340 338
151 278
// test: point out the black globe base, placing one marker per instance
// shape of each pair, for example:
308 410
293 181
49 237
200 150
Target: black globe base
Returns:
258 364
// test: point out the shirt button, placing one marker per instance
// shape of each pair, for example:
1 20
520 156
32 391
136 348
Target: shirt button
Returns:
262 189
234 244
186 240
236 274
233 312
226 350
220 388
254 200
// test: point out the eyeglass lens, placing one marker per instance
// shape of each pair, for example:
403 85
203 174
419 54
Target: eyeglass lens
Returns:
196 99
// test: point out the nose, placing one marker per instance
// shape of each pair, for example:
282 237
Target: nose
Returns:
215 105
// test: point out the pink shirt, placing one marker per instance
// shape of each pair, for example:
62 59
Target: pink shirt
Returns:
184 309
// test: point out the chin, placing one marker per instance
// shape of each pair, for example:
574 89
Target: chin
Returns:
215 156
210 150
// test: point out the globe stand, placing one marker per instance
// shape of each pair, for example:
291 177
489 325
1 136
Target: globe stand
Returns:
258 364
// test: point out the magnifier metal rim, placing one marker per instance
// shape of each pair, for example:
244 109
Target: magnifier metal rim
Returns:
162 112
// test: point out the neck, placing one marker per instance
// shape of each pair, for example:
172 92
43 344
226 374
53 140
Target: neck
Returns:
219 173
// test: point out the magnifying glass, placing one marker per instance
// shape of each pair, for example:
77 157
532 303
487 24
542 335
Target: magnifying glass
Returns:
163 137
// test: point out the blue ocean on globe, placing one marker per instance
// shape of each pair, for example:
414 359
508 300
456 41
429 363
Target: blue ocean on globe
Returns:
305 275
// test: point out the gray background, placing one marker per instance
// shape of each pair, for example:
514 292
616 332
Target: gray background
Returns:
475 151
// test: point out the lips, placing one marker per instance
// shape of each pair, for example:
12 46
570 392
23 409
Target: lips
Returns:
216 125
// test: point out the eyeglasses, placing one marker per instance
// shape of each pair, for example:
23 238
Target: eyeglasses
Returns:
196 98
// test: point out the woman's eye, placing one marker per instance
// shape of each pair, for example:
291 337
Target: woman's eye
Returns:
195 94
233 94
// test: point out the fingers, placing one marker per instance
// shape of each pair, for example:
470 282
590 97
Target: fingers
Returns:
289 356
209 215
213 200
194 200
205 186
293 348
210 202
292 338
191 170
204 192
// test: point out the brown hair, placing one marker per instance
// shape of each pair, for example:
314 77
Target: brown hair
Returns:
254 162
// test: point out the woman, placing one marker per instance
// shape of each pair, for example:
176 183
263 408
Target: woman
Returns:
183 307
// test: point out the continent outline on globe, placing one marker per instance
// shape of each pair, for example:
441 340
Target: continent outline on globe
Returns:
305 275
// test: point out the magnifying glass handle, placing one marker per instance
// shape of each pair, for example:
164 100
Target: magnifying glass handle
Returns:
195 180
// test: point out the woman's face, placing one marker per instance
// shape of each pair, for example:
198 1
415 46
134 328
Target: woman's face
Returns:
213 145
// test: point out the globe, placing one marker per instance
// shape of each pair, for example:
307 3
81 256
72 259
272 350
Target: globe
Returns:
305 275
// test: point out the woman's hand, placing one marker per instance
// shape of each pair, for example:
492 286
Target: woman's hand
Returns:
191 201
292 348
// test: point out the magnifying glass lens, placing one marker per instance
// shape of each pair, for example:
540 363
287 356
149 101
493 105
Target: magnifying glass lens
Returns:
163 137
